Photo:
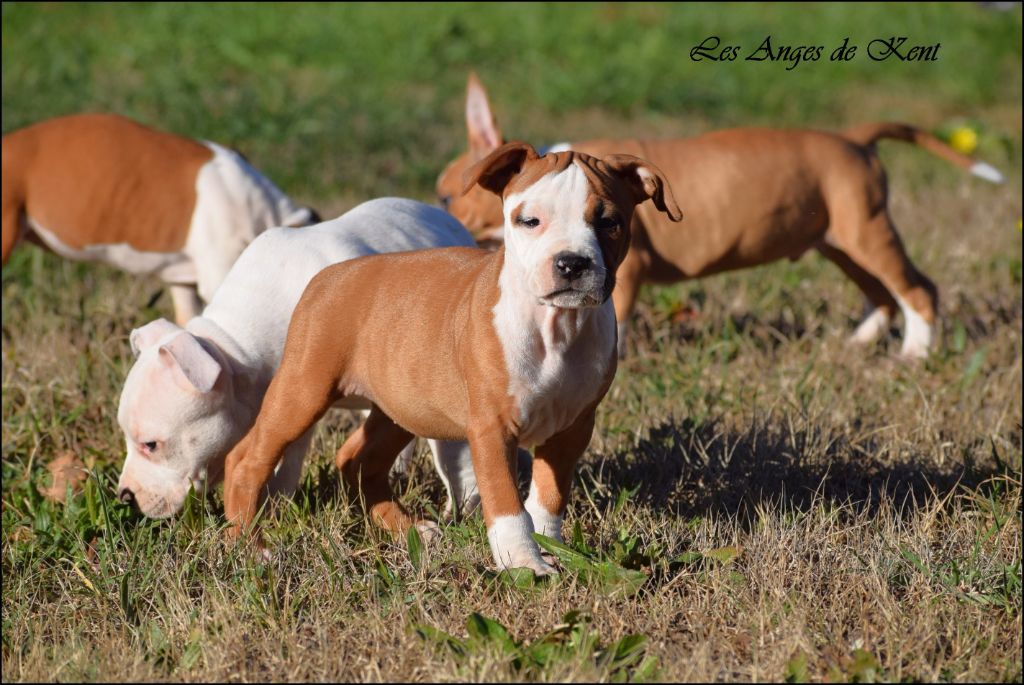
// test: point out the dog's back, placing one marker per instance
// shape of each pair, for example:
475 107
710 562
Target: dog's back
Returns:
255 302
750 195
98 178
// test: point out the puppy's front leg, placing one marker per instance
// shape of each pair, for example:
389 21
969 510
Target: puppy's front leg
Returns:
290 408
509 526
553 465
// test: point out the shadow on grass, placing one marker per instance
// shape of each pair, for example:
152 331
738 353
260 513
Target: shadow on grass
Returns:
692 468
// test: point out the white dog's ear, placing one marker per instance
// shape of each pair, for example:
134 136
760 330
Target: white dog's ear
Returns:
187 357
145 337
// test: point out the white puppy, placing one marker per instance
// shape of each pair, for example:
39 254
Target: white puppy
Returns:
193 392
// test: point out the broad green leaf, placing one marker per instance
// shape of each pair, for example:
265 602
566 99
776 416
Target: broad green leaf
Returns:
687 558
974 366
440 637
796 669
415 547
724 554
487 630
521 578
568 557
865 667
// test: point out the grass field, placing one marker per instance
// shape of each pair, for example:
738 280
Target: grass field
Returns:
760 502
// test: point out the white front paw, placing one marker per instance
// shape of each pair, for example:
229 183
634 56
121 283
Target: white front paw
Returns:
429 531
513 546
544 522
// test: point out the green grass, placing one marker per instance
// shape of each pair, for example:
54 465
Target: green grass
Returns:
759 501
363 99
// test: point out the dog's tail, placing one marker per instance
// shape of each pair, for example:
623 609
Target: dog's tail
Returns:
869 134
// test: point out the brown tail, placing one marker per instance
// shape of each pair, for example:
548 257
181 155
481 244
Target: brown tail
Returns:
869 134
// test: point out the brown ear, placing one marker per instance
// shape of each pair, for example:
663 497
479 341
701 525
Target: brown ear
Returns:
647 181
494 171
481 126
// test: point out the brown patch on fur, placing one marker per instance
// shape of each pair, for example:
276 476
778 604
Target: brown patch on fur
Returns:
423 348
424 331
95 179
755 195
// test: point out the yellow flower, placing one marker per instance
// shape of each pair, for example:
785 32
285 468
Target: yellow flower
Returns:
964 140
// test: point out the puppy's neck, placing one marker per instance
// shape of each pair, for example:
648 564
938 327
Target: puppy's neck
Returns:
558 359
523 320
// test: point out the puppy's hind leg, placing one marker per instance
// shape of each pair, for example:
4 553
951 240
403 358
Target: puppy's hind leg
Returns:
455 466
187 304
365 460
628 279
876 248
880 305
404 458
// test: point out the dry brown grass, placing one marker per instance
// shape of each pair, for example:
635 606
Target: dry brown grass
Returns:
866 513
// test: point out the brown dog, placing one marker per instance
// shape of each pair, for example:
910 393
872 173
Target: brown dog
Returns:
752 196
104 188
503 349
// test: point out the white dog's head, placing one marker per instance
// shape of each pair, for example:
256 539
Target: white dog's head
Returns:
567 217
176 412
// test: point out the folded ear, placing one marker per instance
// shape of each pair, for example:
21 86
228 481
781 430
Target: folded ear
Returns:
647 181
494 171
481 126
145 337
303 216
190 361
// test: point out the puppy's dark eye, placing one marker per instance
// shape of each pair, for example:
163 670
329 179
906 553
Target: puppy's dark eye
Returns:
528 222
606 223
149 446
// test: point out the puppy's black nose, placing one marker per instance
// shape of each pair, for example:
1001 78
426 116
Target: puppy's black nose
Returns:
571 266
126 496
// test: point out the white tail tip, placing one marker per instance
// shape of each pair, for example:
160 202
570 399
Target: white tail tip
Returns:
987 172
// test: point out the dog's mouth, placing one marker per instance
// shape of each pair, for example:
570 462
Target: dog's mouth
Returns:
572 298
156 506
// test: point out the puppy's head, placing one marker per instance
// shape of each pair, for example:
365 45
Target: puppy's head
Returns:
478 210
567 216
175 412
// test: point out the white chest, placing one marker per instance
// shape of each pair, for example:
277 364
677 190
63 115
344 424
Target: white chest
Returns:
557 360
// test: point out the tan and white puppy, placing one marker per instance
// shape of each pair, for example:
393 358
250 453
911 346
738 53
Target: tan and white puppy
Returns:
503 349
101 187
753 196
193 392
